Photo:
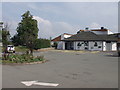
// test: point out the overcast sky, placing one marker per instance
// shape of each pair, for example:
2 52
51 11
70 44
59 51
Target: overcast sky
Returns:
55 18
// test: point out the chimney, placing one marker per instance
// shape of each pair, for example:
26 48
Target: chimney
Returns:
78 32
86 28
102 28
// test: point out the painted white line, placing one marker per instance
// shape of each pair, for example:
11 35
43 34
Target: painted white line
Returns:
46 84
30 83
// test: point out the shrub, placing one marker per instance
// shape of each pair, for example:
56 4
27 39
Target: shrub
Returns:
24 58
42 43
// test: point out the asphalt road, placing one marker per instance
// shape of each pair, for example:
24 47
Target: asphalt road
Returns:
69 69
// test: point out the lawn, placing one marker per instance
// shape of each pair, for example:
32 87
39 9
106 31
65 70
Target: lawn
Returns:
21 49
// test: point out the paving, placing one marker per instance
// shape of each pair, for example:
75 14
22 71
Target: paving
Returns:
70 69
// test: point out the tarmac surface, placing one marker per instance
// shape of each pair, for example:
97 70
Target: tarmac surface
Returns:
70 69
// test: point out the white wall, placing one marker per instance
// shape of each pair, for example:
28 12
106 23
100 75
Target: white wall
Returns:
114 46
98 47
100 32
101 46
61 45
104 46
109 32
74 45
90 45
108 46
79 47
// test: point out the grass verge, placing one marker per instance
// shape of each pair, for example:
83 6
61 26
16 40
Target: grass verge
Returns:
21 49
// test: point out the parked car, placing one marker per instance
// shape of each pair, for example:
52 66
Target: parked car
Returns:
10 49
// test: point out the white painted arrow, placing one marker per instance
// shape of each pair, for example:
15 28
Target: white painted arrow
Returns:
30 83
46 84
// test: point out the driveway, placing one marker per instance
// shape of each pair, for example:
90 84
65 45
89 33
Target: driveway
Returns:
69 69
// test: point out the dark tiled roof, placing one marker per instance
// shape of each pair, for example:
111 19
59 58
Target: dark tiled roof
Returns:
90 36
108 37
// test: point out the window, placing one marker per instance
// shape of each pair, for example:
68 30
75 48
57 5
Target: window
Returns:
95 44
78 44
86 43
86 48
99 46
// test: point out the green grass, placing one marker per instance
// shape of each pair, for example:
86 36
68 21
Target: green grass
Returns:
21 49
7 62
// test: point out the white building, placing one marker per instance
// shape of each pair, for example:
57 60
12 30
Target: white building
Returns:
97 39
59 41
90 41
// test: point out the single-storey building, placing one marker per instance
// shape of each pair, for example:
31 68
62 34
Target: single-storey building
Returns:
59 39
99 39
90 41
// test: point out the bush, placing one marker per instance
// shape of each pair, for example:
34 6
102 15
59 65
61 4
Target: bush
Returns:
24 58
41 43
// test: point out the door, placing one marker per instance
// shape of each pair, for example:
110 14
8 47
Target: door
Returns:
69 46
86 45
66 45
108 46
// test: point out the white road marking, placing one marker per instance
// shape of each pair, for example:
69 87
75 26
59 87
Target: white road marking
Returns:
30 83
46 84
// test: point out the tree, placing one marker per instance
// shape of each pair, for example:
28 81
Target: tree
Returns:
42 43
5 35
15 40
27 31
